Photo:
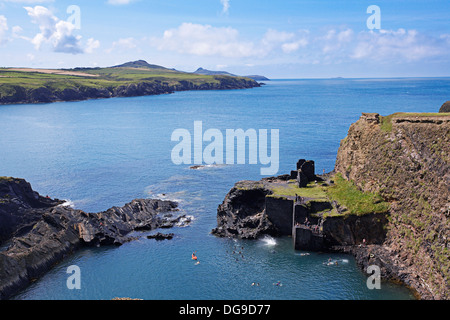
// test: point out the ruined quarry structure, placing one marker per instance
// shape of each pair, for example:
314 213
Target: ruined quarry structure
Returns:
293 216
253 208
305 172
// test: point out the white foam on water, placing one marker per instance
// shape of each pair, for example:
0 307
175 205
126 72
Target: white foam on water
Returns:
206 166
184 221
68 203
269 241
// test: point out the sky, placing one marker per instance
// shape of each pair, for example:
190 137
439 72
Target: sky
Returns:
278 39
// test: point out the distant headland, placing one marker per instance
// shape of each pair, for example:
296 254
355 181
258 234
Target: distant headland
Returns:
135 78
225 73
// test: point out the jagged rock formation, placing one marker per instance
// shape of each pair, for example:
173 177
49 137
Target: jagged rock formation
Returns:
405 157
161 236
37 232
242 213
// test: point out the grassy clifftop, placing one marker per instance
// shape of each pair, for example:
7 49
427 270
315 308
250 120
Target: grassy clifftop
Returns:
25 85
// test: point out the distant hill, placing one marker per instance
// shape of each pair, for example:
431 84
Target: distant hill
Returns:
213 73
139 64
224 73
258 78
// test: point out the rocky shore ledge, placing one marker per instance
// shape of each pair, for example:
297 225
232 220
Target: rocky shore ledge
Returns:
36 232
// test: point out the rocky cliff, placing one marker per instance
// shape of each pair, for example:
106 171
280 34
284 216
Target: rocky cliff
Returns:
37 232
405 158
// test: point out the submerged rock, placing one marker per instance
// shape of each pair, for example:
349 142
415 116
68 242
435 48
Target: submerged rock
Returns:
161 236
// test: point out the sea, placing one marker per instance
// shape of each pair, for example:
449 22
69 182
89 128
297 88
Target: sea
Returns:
97 154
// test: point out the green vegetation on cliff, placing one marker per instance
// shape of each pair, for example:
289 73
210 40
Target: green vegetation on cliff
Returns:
344 192
313 190
356 201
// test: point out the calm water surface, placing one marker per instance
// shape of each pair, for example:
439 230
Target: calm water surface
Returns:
104 153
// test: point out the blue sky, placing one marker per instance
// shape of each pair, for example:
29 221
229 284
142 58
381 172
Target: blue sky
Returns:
279 39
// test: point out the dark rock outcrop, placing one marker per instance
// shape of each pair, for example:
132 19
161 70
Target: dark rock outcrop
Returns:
38 232
445 107
161 236
242 213
20 207
353 229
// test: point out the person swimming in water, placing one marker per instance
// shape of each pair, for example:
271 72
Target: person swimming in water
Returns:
194 257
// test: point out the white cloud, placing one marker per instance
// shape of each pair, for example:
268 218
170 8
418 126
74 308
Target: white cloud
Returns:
273 37
225 5
288 41
400 45
335 40
327 46
91 45
123 44
16 30
289 47
3 30
59 34
205 40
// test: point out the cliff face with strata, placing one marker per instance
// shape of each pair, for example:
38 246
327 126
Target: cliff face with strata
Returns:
405 158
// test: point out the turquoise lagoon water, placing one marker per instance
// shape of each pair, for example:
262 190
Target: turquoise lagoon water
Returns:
103 153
